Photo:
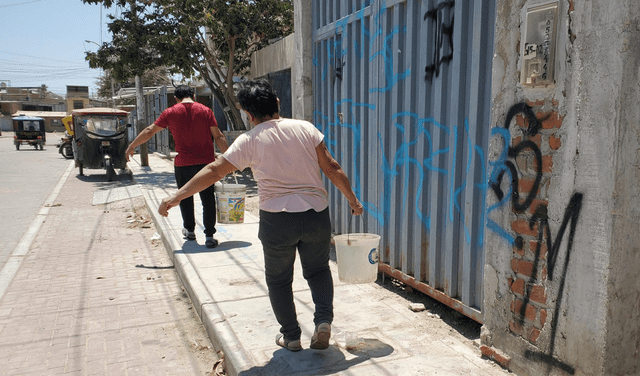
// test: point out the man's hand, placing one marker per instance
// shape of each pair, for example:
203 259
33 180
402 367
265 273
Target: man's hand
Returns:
166 204
129 153
356 207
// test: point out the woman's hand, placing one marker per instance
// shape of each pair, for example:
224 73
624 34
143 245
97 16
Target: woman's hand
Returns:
166 204
356 207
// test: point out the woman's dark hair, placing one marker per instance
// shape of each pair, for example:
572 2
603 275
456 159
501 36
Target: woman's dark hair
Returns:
258 98
183 91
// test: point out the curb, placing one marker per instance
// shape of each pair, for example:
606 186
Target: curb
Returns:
222 336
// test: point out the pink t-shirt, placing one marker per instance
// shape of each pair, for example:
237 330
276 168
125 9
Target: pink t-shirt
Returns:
282 155
190 124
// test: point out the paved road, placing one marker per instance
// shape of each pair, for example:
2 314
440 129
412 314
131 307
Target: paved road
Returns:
27 177
93 293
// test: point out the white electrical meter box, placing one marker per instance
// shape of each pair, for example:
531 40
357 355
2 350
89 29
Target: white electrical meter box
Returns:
539 45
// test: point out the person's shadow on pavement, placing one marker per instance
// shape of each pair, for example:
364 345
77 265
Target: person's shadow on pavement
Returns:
325 362
191 247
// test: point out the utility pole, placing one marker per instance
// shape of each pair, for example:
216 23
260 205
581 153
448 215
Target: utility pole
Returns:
144 150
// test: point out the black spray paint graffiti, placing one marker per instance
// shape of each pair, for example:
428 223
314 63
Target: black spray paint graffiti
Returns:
443 29
571 215
513 153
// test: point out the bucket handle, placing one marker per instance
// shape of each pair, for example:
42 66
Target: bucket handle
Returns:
349 228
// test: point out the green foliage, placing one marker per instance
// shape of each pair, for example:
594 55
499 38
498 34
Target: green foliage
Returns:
208 39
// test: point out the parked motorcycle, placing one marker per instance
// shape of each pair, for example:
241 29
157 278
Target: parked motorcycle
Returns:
66 146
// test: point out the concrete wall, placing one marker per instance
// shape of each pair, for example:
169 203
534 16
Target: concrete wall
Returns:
293 52
562 267
273 58
302 67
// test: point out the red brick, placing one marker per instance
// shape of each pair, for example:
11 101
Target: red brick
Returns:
539 103
535 204
516 328
496 355
521 226
522 267
533 335
552 121
530 311
537 139
547 163
554 142
526 185
520 121
538 294
543 249
517 286
543 317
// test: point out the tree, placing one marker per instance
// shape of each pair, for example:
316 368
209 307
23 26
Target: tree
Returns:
208 39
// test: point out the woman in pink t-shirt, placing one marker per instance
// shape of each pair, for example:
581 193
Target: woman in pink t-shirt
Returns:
286 157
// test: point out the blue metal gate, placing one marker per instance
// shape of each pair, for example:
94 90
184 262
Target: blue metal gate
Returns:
402 94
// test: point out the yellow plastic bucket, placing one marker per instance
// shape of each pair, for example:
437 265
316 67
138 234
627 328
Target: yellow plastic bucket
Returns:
230 202
357 257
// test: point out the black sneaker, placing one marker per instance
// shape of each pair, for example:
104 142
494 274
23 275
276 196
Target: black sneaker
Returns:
211 242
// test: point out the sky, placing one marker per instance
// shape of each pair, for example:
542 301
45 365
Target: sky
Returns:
43 42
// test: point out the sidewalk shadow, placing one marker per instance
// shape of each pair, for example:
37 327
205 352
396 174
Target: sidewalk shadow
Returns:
193 248
99 178
310 362
163 180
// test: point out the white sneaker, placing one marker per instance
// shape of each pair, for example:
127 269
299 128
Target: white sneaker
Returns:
190 235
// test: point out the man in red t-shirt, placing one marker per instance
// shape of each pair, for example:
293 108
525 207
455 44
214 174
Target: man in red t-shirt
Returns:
192 125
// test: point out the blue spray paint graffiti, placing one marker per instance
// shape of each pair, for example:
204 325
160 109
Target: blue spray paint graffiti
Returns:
412 129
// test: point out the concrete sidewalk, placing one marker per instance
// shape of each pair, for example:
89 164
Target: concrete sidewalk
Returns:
227 288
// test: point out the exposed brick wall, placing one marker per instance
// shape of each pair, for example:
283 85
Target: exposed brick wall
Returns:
529 258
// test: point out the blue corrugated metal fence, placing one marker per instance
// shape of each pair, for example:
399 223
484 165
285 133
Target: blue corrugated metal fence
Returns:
402 94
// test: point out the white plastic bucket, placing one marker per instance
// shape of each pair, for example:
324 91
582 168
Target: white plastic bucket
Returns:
230 202
357 256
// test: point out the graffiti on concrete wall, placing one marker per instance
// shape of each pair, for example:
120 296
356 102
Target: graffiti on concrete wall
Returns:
531 299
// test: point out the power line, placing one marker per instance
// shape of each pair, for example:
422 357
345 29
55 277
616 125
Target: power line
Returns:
13 5
40 58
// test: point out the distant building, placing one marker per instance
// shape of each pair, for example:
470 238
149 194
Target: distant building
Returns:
38 101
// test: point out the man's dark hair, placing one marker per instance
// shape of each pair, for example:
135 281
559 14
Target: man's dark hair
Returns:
183 91
258 98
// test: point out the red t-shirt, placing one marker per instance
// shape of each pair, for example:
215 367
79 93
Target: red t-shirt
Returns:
190 124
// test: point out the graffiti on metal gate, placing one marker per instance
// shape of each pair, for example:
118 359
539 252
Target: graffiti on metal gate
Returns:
441 21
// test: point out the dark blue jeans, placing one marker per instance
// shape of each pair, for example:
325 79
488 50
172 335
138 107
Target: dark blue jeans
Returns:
310 233
208 197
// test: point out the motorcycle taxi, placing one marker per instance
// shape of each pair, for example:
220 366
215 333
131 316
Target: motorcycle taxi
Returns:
100 139
28 130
